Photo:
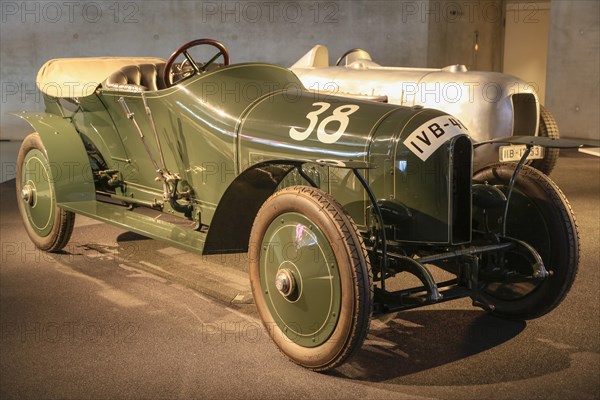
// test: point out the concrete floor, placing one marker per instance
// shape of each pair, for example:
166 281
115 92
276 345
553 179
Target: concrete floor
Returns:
119 316
8 159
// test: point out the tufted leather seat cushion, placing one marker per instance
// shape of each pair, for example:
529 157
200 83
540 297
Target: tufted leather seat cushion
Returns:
137 78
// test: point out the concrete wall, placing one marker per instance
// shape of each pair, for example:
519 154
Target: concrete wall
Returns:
573 80
531 20
278 32
403 33
456 26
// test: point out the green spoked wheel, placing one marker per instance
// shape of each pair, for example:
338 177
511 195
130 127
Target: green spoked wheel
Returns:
540 215
310 277
48 226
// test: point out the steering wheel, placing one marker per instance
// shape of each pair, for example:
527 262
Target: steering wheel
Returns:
346 54
183 49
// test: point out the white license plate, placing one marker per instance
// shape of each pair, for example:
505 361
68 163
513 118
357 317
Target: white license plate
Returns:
514 153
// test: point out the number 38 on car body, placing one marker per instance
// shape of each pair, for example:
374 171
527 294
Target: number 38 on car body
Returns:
340 116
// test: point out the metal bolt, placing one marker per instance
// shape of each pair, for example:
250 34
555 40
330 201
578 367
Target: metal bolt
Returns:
27 194
285 282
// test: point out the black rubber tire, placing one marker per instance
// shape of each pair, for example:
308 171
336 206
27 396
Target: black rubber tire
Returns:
63 223
562 258
548 128
354 268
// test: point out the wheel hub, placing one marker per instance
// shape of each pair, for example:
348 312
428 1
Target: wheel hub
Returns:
285 282
27 194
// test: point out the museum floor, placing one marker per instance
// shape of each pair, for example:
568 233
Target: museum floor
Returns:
120 316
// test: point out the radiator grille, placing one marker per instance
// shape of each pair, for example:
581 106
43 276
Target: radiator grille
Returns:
461 190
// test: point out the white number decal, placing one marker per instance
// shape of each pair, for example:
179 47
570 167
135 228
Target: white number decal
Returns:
339 115
312 117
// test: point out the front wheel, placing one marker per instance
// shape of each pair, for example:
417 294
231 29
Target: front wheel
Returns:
48 226
540 215
310 277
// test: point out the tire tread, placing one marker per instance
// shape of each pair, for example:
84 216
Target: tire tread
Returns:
548 128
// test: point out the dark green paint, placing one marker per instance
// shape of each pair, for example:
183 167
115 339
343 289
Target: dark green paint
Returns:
217 126
67 158
37 175
295 243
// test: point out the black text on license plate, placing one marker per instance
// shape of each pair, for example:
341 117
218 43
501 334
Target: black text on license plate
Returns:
514 153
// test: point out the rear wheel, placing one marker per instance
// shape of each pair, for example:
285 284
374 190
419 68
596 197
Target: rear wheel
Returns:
310 277
48 226
540 215
548 128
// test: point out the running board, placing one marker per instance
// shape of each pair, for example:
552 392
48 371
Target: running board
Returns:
184 238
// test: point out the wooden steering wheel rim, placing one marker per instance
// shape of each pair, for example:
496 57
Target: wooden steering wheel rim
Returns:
186 46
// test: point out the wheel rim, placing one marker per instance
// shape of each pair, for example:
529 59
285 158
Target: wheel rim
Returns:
300 279
36 191
526 223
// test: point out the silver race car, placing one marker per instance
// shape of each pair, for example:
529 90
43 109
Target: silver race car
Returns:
492 105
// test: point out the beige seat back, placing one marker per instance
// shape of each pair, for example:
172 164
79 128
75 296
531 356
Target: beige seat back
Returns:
137 78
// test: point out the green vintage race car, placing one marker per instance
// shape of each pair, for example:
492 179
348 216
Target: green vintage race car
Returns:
336 200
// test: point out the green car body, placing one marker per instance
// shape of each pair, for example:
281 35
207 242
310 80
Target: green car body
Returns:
241 157
217 135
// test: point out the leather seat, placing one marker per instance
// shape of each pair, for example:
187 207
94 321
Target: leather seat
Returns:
137 78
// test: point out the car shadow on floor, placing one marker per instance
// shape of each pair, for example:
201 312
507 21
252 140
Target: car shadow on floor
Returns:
131 237
403 344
